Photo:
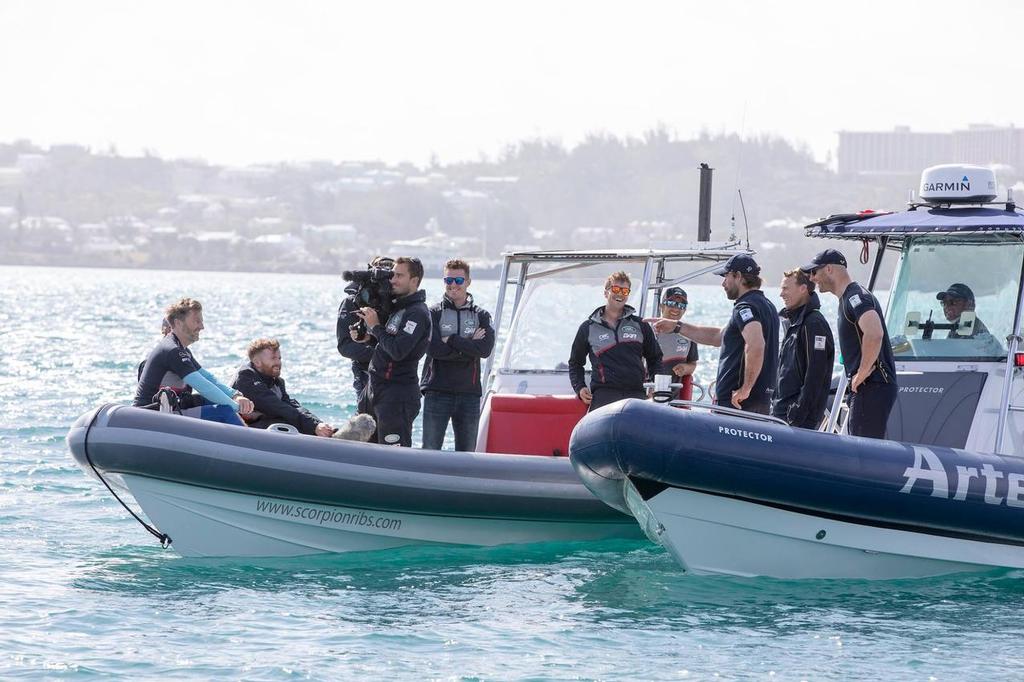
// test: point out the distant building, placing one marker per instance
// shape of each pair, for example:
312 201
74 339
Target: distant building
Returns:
904 151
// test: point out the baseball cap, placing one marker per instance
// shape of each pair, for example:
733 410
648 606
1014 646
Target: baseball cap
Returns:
675 292
741 262
826 257
957 290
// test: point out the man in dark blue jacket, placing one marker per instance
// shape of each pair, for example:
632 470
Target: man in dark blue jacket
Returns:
461 334
394 366
805 357
623 351
260 381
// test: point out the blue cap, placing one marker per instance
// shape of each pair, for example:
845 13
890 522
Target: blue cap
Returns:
742 263
826 257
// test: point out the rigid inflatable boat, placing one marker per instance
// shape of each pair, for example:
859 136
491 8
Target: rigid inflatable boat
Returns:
728 494
219 490
734 493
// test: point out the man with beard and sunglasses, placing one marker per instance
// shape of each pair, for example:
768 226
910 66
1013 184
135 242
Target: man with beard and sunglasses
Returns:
749 359
623 351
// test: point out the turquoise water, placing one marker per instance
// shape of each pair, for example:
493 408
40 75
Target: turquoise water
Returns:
85 592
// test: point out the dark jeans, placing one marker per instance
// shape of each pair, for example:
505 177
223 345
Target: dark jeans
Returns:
606 396
462 409
869 409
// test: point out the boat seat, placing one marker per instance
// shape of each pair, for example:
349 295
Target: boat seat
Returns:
533 424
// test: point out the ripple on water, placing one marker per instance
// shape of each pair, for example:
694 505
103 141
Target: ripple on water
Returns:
85 592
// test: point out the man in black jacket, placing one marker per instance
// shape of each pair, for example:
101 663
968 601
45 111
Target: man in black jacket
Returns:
461 335
805 357
260 381
622 349
394 366
351 346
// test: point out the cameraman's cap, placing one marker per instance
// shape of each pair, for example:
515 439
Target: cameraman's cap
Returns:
826 257
675 292
957 290
741 263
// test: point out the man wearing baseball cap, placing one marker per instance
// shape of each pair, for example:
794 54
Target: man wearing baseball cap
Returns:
678 353
748 361
957 299
864 344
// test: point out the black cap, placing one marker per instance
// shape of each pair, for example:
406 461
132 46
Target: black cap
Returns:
741 262
956 290
675 291
826 257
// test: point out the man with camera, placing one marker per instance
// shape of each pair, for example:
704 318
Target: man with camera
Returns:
401 340
367 288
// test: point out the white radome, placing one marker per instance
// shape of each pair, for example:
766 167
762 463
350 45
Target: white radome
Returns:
958 183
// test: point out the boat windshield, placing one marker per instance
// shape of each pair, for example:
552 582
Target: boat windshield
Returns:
955 298
551 313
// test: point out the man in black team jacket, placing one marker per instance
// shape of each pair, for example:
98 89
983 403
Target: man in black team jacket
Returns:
461 335
618 344
748 361
864 344
805 357
349 344
260 381
394 366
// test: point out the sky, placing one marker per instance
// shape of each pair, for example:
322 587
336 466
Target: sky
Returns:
241 82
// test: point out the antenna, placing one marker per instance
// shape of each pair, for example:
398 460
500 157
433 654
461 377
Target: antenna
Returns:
746 225
739 164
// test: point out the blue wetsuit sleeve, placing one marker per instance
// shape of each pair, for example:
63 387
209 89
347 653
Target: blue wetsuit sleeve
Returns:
209 390
227 389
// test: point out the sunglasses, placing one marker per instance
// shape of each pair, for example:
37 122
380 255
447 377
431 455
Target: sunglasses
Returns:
619 291
455 280
675 304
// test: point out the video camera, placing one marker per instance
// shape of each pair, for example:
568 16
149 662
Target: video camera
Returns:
370 288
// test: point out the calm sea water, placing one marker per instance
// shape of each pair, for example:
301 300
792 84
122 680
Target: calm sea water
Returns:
85 592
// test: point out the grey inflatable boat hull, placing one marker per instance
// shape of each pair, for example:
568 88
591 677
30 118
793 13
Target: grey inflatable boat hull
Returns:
220 490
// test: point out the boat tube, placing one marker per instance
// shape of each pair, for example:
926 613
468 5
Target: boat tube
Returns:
221 490
726 493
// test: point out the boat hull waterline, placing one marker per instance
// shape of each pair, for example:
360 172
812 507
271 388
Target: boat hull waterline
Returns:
220 490
727 495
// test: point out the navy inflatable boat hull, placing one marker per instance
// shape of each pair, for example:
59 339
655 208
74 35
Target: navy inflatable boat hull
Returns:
929 490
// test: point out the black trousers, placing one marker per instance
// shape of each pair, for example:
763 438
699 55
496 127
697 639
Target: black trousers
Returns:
395 409
869 409
602 395
751 404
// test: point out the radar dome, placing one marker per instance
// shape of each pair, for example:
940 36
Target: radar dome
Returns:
958 184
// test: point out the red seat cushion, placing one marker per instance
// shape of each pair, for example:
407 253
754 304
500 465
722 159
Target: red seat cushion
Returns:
533 424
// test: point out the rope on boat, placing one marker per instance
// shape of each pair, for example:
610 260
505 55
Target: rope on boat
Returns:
165 540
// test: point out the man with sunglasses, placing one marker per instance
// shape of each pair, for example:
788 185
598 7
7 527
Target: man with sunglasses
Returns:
748 361
461 335
402 339
623 351
679 354
863 343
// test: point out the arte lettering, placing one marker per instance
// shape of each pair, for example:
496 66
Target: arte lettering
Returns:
928 470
